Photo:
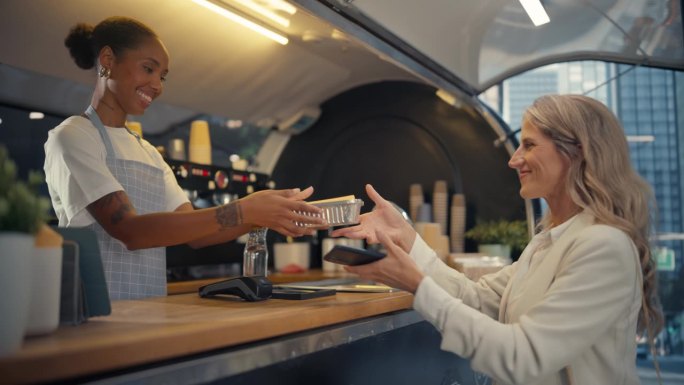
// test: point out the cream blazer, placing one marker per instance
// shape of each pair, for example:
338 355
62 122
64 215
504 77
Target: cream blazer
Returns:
574 319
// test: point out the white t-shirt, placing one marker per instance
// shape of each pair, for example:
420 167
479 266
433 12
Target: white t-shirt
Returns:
77 174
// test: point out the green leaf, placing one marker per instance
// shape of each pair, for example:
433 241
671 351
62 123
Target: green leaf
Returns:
512 233
21 208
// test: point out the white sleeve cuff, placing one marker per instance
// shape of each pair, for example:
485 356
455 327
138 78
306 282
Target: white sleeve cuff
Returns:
430 301
422 254
460 325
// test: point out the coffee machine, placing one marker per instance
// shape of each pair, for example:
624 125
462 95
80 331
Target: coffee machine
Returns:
215 183
208 186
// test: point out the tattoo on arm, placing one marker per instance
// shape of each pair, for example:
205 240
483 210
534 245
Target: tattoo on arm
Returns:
119 214
229 215
115 198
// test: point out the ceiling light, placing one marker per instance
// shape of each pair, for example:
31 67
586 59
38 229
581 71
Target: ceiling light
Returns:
233 123
263 11
339 35
310 36
449 98
36 115
640 138
242 21
282 5
535 11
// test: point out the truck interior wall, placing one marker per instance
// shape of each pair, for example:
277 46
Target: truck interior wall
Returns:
393 134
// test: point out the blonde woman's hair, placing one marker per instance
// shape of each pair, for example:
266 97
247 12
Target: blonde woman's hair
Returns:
602 180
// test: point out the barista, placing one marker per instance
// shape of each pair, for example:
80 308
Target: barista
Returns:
102 176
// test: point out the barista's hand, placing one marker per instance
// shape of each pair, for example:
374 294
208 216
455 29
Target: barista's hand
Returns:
383 219
397 269
275 209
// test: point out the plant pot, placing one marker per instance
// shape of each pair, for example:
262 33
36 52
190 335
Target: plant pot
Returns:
495 250
15 286
46 271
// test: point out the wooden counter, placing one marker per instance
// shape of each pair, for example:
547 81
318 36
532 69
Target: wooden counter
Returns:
140 332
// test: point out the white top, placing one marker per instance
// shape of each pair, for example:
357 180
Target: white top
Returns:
572 304
535 251
76 171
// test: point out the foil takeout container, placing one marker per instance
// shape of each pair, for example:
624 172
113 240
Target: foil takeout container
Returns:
338 213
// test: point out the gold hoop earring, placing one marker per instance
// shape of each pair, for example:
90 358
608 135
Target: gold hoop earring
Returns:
105 72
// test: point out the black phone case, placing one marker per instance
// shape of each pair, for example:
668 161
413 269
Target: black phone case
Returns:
352 256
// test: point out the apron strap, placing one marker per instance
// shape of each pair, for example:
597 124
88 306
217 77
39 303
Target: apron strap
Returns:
134 134
95 119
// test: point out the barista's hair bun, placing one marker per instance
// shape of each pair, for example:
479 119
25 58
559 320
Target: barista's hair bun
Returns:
80 44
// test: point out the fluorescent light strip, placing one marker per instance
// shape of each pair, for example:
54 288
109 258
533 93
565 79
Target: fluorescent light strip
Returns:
535 11
242 21
640 138
447 97
264 12
283 6
36 115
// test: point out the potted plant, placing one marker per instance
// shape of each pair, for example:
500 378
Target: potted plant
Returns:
22 213
497 238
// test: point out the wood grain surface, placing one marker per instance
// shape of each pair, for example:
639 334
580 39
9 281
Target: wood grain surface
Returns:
144 331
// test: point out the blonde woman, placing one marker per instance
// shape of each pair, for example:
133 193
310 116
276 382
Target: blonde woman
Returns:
568 311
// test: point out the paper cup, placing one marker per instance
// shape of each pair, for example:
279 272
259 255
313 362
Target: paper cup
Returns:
439 204
295 253
200 142
416 199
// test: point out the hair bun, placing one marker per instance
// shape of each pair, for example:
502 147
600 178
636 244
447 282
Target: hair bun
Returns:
79 43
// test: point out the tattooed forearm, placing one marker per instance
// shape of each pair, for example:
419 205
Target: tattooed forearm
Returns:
229 215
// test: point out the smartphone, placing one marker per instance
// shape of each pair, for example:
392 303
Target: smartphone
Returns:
345 255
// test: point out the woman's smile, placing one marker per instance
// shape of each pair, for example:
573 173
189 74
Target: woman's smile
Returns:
145 98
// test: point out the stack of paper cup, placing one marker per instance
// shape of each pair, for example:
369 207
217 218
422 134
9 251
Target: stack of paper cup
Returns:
441 247
424 213
416 199
200 143
440 200
432 235
458 221
135 127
